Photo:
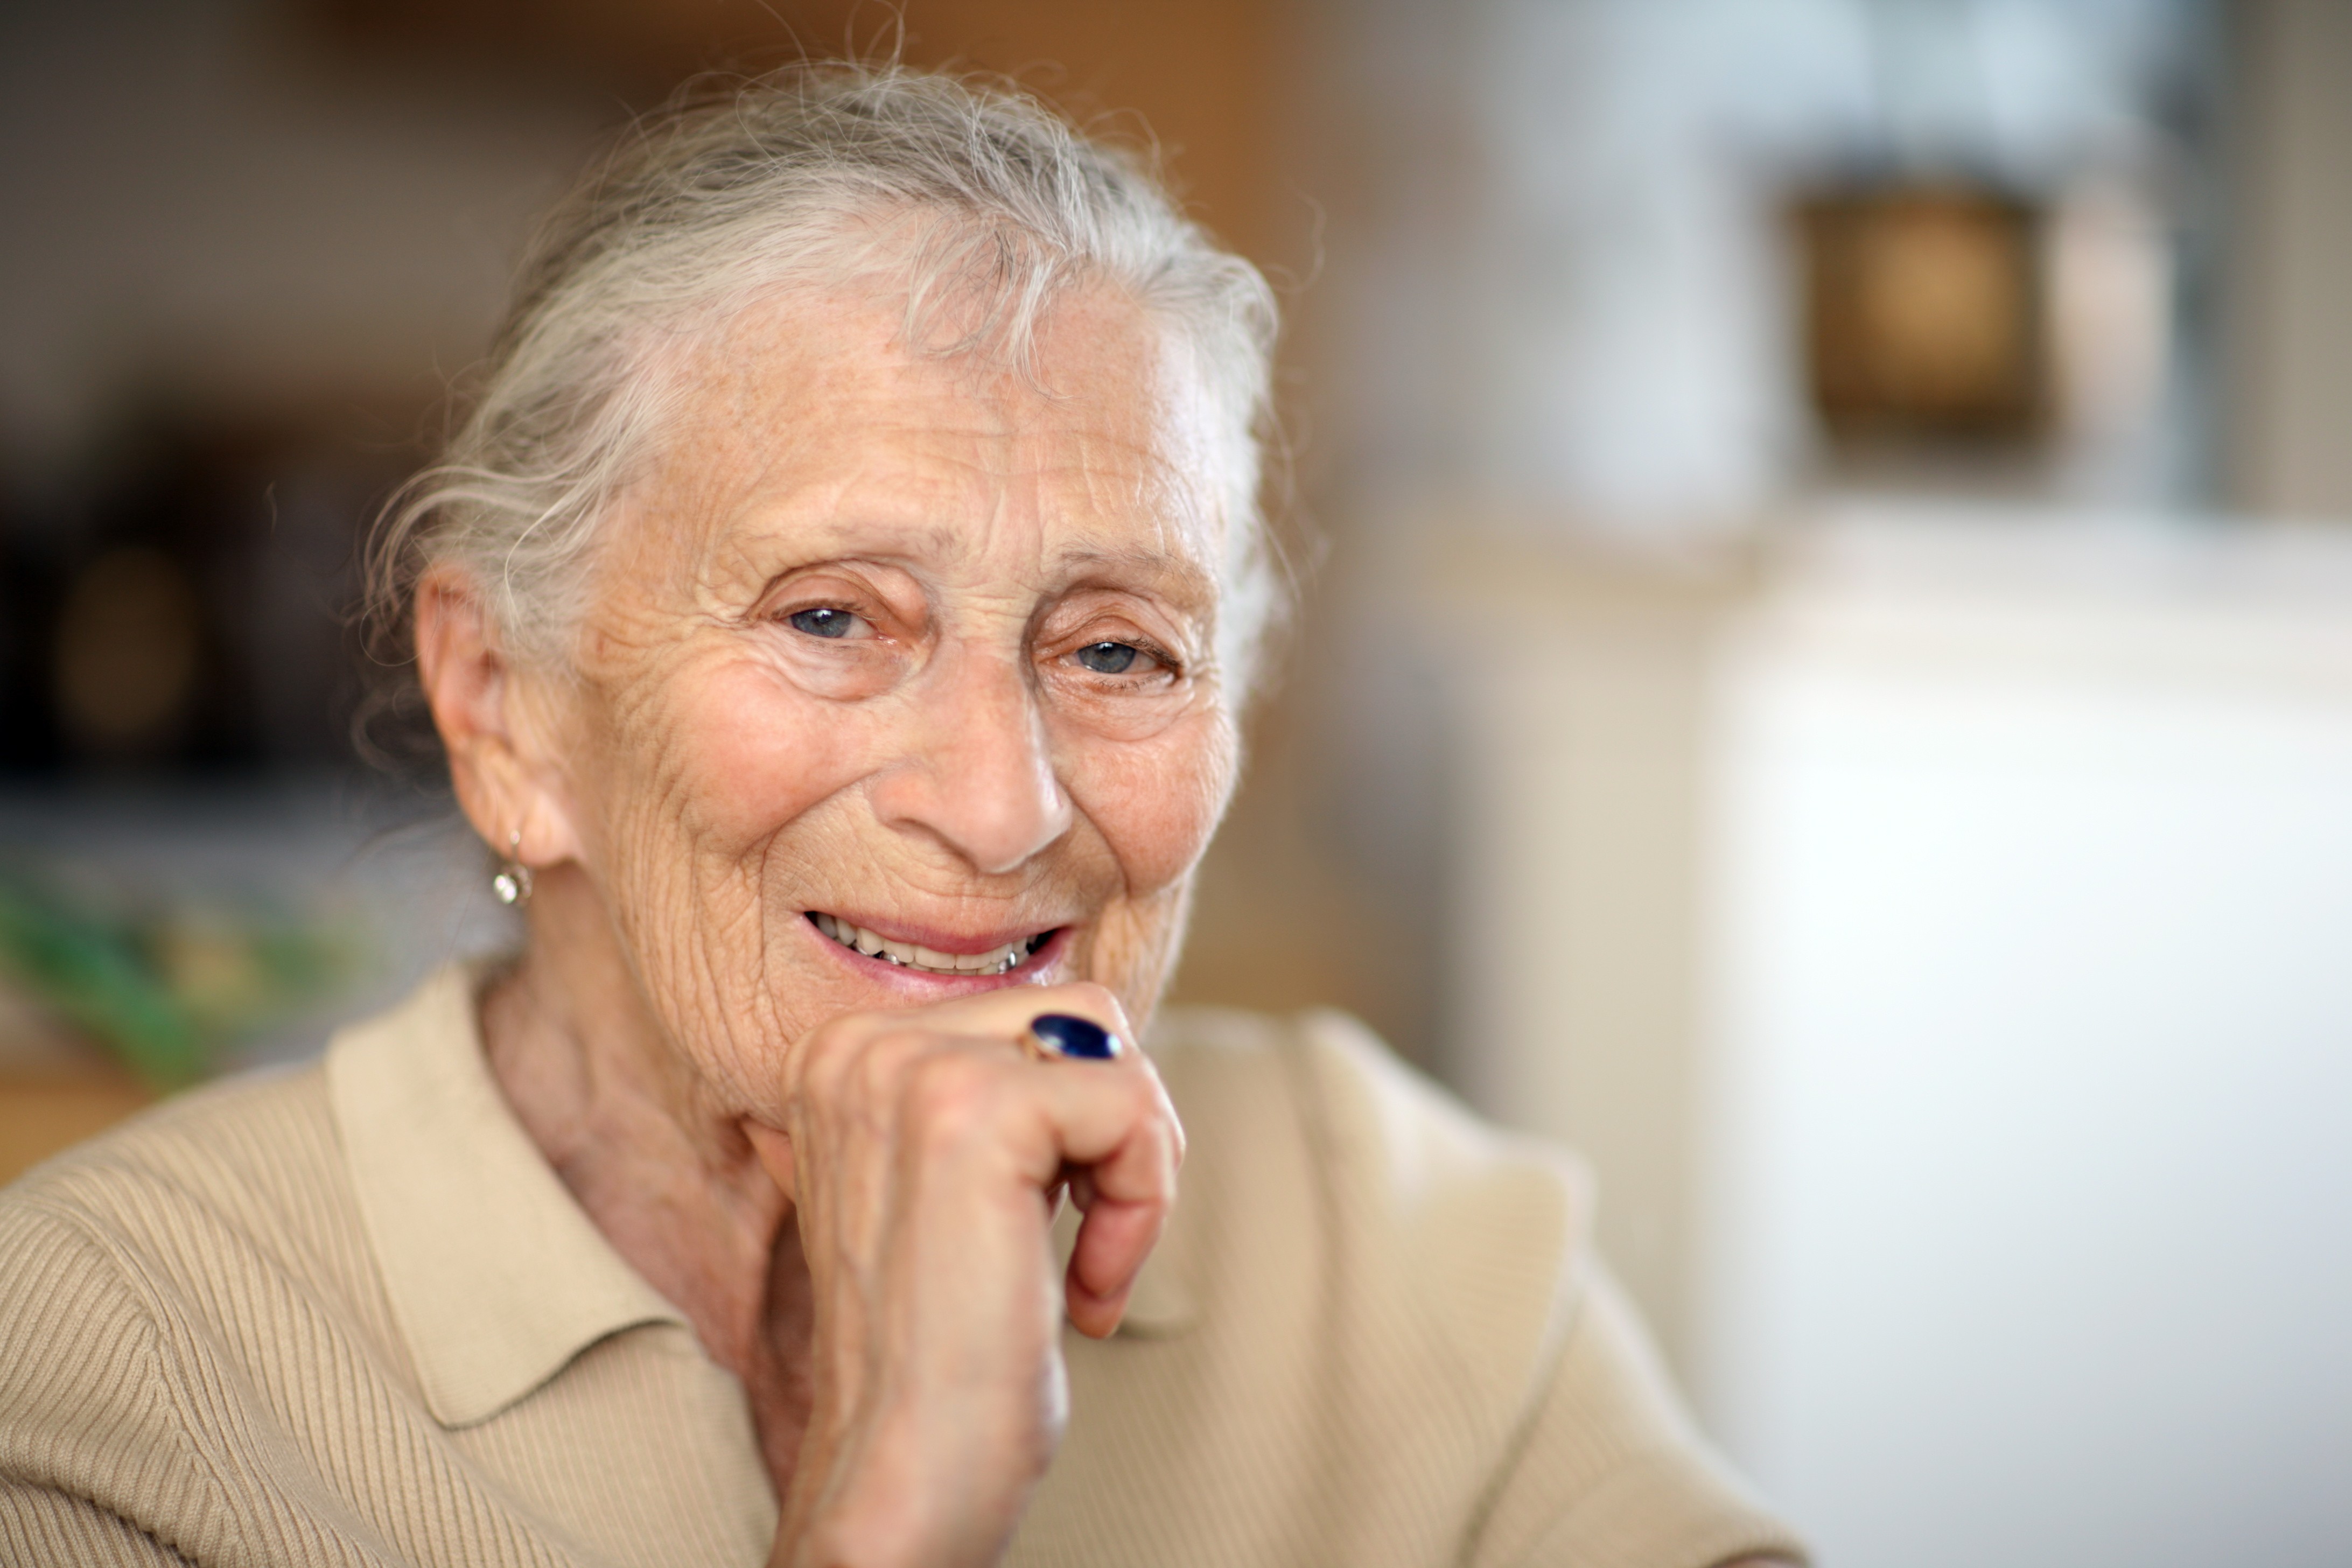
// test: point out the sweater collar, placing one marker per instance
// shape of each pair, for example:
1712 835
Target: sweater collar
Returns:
497 1277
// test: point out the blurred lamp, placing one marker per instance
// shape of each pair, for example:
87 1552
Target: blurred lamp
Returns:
1923 312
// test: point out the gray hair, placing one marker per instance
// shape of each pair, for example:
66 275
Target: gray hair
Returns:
984 204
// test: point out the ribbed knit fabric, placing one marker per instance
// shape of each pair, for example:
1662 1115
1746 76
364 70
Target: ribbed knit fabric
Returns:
1372 1336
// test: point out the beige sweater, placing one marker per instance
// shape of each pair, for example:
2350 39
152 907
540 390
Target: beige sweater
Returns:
348 1315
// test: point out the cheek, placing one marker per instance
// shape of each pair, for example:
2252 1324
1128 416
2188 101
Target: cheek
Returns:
1157 802
750 754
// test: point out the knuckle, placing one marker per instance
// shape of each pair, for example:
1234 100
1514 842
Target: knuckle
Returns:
1098 1002
824 1057
948 1094
882 1063
855 1061
1171 1155
1160 1111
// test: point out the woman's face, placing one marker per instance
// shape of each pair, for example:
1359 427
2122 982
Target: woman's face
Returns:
895 649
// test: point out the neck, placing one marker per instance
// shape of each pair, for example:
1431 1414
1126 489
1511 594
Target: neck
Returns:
663 1169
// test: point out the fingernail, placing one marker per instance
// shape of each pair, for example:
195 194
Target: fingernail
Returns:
1074 1036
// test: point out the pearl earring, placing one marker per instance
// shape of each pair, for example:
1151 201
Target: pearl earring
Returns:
512 881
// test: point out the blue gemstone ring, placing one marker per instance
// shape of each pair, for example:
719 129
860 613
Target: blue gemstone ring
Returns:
1066 1035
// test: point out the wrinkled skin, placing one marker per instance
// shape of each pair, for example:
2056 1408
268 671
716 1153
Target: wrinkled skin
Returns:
909 641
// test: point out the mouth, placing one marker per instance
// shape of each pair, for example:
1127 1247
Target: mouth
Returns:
1002 959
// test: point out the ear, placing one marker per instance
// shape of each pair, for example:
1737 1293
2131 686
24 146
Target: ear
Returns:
500 724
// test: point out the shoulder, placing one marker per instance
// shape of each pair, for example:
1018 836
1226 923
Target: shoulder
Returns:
114 1257
1341 1212
1315 1151
253 1143
161 1218
1393 1150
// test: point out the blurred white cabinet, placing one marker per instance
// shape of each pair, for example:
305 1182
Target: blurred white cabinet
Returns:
1981 1054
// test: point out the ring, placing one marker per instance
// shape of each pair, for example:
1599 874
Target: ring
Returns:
1053 1035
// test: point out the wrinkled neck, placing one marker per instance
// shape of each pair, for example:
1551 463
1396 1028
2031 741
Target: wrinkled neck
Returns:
660 1166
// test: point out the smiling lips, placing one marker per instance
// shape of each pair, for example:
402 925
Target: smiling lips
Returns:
1000 960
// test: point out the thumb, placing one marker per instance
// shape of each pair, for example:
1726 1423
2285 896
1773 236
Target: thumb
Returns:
775 1152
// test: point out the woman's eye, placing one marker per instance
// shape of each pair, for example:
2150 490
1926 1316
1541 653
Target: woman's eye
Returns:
821 622
1108 657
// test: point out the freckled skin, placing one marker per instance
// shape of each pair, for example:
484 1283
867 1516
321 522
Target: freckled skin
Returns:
686 1048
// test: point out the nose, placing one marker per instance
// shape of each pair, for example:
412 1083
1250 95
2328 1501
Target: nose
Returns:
978 774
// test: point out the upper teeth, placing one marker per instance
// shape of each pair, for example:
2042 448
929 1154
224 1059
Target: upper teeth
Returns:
996 961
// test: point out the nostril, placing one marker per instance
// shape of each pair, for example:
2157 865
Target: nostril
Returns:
977 773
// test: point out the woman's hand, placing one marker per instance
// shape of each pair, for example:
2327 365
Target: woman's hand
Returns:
923 1154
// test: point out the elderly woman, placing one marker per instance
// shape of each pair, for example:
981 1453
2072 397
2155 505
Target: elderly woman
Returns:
836 613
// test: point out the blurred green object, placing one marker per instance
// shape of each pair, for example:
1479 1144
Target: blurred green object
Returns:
167 992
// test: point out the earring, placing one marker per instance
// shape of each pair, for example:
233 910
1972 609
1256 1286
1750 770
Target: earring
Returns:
512 881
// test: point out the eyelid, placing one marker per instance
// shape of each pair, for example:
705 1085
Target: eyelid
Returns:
830 590
799 605
843 584
1149 647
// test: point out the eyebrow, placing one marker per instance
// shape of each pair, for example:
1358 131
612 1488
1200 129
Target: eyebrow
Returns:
1179 571
1174 572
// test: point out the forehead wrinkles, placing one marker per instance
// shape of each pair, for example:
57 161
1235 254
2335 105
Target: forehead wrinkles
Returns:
1182 421
1118 439
1161 477
1114 385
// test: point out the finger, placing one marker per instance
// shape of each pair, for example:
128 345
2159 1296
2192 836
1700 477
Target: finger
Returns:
830 1065
1114 1241
1096 1317
1112 1122
1101 1266
1088 1112
1108 1131
1010 1010
1004 1013
968 1094
1122 1224
1123 1139
775 1152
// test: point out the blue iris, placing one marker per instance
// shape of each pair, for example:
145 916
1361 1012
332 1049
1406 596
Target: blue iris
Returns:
823 622
1107 658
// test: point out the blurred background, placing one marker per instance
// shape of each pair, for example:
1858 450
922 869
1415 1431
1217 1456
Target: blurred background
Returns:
1823 674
